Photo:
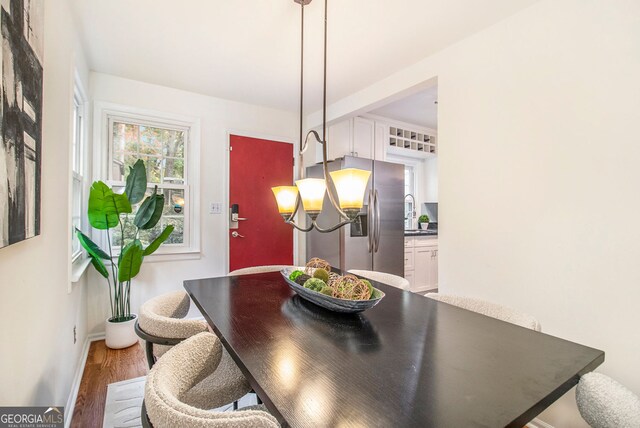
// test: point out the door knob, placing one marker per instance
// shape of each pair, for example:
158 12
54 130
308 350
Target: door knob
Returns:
236 234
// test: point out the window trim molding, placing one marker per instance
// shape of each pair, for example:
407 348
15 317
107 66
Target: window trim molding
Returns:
102 112
78 261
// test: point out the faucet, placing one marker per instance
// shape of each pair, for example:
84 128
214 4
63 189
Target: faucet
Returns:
413 207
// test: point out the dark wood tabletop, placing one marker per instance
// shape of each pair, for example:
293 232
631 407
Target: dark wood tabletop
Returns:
408 362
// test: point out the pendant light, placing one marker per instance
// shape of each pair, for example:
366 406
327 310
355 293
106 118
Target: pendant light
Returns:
350 184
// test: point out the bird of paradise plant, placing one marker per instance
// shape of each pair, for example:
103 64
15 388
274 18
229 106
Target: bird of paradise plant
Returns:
105 211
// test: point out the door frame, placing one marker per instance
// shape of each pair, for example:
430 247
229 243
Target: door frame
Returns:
227 171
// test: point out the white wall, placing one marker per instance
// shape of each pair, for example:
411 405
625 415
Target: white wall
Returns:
217 117
539 176
38 357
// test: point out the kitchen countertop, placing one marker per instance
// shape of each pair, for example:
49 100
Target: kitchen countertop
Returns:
420 232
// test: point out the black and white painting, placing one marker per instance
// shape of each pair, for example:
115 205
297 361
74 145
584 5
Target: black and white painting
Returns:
21 127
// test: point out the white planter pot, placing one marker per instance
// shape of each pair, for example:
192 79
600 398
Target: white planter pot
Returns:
424 226
120 334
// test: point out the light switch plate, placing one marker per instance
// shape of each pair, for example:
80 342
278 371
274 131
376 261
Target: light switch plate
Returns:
215 208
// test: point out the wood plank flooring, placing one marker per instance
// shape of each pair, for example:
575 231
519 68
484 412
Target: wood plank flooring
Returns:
104 366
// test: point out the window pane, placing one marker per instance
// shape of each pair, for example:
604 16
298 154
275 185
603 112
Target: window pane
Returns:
172 197
174 144
173 201
147 236
173 171
177 237
125 137
154 169
121 164
152 140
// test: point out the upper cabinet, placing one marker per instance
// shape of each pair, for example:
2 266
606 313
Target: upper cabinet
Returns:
373 138
352 137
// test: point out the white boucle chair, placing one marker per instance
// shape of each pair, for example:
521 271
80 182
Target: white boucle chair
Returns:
162 324
489 309
257 269
605 403
176 373
385 278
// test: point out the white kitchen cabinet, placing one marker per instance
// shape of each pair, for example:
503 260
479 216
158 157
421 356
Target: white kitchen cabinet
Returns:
422 268
421 263
339 138
352 137
363 138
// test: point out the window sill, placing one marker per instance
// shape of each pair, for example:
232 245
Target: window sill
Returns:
172 257
78 268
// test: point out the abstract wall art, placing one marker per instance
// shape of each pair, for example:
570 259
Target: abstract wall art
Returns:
21 54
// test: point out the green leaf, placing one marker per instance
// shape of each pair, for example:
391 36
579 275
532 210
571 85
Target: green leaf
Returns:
100 267
130 261
106 206
91 247
101 212
150 211
136 182
94 252
121 203
159 240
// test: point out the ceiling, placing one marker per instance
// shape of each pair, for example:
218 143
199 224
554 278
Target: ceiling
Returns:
419 109
249 50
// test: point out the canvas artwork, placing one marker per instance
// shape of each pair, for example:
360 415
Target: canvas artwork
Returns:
21 56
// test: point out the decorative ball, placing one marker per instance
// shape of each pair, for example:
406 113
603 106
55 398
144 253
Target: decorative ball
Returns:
321 274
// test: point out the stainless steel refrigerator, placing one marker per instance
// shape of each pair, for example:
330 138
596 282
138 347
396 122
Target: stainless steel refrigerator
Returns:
375 241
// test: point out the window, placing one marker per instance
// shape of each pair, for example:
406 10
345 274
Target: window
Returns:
78 166
409 203
163 148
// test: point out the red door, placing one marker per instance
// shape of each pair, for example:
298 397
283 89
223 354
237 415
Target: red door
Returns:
255 167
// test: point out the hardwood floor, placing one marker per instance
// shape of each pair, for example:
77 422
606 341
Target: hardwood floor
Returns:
104 366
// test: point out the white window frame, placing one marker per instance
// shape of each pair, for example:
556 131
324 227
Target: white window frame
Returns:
79 173
104 116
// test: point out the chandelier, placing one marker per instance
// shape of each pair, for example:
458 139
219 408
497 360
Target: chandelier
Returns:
345 188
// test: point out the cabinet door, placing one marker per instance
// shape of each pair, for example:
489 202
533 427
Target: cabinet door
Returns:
422 265
409 277
363 137
433 277
408 260
339 140
380 141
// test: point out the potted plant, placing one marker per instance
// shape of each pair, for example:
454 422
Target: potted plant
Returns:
424 221
108 210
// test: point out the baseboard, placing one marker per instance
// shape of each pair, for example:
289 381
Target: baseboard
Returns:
77 378
537 423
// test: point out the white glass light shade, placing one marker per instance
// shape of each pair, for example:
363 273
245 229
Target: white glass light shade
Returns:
351 184
286 198
312 192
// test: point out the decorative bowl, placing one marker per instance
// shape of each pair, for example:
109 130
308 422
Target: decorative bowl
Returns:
329 302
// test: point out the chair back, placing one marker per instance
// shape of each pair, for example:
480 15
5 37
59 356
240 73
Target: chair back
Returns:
179 370
489 309
605 403
257 269
385 278
163 318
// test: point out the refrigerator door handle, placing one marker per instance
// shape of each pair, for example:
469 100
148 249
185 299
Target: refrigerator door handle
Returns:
376 202
370 221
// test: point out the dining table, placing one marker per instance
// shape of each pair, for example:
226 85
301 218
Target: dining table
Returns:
409 361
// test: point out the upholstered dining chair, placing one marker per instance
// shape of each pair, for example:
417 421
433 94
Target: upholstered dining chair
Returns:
179 371
489 309
605 403
162 325
257 269
385 278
